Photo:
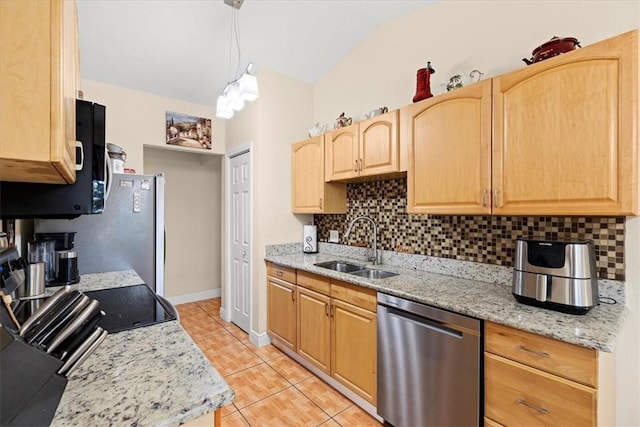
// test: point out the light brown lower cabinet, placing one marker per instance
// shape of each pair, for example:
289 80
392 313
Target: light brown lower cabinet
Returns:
353 349
314 328
538 381
335 324
281 305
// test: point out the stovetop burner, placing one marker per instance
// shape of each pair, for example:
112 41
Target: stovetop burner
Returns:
131 307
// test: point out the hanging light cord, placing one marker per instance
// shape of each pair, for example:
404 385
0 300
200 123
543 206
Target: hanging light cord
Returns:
234 34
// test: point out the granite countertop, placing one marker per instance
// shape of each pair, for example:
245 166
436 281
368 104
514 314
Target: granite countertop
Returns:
154 375
597 329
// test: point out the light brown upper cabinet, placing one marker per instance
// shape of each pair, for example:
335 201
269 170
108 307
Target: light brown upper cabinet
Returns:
565 133
450 152
368 148
309 191
38 75
562 132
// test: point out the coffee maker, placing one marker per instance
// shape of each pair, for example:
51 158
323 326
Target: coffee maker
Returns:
64 258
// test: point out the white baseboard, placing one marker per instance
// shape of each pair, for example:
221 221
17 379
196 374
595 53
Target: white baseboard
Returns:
197 296
259 340
223 314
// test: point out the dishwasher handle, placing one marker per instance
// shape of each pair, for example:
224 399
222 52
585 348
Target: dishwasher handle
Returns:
440 316
454 331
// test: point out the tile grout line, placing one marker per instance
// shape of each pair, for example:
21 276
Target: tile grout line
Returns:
224 324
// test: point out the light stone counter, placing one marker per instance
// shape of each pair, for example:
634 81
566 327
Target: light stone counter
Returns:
150 376
597 329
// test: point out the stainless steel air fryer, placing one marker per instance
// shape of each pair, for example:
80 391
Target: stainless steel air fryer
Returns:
556 275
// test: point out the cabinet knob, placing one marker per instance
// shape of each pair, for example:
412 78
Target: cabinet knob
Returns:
279 273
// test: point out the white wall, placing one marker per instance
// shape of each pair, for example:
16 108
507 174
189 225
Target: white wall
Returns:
457 37
192 219
492 36
136 119
272 124
627 350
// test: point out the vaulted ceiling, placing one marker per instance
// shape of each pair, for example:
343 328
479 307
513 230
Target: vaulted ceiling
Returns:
181 49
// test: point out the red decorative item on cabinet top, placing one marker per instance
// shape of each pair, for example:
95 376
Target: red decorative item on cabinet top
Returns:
423 83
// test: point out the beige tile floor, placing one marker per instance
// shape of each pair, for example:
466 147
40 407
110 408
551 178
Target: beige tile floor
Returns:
271 388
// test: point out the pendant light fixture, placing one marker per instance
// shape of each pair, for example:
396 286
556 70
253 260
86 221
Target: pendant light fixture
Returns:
242 88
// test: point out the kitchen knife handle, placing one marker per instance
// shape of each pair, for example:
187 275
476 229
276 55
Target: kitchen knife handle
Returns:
87 353
61 323
52 317
84 347
43 309
76 340
80 318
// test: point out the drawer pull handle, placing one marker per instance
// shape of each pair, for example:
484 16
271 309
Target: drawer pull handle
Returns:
534 407
279 273
326 309
539 353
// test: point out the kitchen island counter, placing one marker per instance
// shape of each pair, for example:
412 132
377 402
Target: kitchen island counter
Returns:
598 329
149 376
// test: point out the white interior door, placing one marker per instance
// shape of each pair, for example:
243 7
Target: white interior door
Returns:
240 240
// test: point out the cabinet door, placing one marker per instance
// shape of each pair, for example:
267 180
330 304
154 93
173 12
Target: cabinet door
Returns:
309 191
38 69
450 153
341 158
314 328
307 175
281 311
379 149
353 349
565 133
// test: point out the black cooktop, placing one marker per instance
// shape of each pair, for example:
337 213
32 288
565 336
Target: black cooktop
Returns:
131 307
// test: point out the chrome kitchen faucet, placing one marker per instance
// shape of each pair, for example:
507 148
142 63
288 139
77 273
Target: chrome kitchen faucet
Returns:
374 256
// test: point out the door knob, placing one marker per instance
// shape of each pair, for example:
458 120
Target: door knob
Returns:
244 253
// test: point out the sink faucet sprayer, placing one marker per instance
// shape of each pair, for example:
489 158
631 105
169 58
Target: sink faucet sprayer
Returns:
374 256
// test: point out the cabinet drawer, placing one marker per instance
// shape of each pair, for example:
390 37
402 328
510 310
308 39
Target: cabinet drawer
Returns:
313 282
516 394
566 360
283 273
356 295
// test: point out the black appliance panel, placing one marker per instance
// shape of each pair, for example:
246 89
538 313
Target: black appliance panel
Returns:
131 307
85 196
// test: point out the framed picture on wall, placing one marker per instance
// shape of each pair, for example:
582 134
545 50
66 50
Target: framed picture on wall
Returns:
188 131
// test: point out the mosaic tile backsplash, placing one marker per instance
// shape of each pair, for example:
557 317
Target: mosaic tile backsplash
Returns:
486 239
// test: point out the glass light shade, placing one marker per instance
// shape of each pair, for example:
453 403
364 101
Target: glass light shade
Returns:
249 87
234 96
223 111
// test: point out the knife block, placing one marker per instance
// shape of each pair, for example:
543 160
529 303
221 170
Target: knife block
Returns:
31 388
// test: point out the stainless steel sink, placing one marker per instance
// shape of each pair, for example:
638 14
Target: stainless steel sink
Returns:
341 266
369 273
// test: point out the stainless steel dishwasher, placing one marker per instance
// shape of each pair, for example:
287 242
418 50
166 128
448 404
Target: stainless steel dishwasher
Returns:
429 365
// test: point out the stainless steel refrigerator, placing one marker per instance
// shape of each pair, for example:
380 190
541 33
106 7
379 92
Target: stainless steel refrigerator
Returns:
129 234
